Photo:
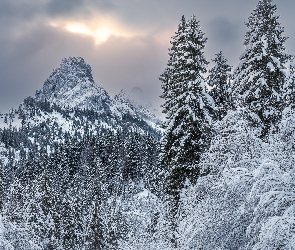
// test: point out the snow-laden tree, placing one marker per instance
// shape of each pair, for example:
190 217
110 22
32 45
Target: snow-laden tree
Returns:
213 213
141 212
235 143
247 199
218 79
187 105
272 200
272 194
259 79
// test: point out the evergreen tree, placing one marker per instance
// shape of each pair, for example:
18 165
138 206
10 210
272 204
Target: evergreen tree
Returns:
259 78
218 79
187 107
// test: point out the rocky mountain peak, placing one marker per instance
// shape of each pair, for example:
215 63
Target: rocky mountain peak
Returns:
136 90
72 85
76 66
135 96
72 71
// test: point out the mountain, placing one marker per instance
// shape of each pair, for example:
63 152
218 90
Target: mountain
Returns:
72 86
79 161
70 89
71 105
134 103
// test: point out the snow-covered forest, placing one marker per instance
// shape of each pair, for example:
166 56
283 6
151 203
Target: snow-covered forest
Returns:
83 170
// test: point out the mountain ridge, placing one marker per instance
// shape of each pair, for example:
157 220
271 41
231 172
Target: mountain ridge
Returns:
71 87
70 105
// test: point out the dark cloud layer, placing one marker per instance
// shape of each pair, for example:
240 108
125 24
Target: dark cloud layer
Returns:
63 7
225 35
30 48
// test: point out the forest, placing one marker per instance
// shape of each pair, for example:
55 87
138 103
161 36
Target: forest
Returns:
82 170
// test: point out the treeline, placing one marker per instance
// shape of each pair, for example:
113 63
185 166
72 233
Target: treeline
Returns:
63 172
59 201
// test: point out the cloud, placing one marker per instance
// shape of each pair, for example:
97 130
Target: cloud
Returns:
138 61
64 7
227 36
134 53
28 61
223 31
25 63
14 10
102 5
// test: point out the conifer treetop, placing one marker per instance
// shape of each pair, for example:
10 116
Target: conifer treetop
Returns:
220 72
218 79
259 78
187 104
186 62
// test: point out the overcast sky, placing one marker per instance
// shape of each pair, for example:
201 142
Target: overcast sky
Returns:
125 41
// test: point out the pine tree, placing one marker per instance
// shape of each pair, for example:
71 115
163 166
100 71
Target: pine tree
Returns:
187 108
218 79
259 78
187 105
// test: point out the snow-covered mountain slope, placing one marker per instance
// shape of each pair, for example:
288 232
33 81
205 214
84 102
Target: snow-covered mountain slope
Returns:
72 86
71 105
134 102
74 135
69 90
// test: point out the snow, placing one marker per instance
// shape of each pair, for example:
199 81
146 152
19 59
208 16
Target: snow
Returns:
270 66
246 198
134 102
12 122
276 61
4 243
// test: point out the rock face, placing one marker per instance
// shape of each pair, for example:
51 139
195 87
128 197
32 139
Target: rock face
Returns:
71 106
72 85
70 101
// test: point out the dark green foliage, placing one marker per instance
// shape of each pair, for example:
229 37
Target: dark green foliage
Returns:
187 106
218 79
188 109
289 86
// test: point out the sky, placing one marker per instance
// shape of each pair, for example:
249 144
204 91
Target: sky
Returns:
125 41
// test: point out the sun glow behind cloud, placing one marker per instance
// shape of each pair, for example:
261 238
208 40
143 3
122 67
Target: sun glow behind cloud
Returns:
100 33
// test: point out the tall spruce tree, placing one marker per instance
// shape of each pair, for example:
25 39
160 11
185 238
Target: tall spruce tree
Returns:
259 78
187 106
218 79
